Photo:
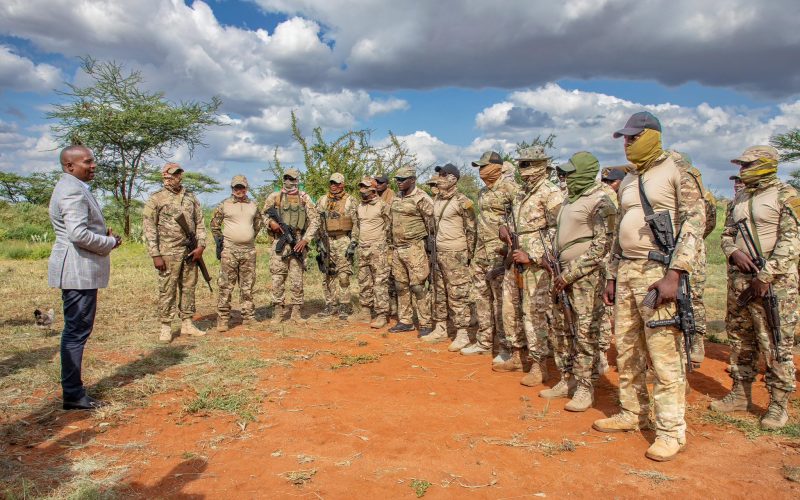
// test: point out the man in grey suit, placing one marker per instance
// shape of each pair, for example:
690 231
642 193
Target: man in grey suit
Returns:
79 265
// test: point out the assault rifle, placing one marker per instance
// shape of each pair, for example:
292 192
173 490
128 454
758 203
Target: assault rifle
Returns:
287 237
554 266
511 237
770 300
191 243
661 225
326 266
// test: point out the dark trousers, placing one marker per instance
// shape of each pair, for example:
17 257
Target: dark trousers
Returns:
79 310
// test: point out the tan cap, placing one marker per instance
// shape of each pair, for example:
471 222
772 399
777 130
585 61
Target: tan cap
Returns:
406 172
337 178
239 180
368 182
488 157
171 168
753 153
433 181
292 172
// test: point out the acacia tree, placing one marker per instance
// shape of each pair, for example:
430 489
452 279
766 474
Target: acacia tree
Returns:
35 189
789 146
128 128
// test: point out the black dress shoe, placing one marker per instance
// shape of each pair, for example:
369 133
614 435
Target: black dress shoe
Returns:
401 327
85 403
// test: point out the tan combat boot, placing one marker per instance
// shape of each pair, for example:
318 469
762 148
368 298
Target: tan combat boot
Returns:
438 334
777 412
536 375
295 315
222 324
583 398
461 341
379 322
278 314
563 389
621 422
665 448
165 336
249 322
698 352
188 328
514 364
739 399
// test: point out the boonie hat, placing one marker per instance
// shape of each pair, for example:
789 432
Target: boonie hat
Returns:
753 153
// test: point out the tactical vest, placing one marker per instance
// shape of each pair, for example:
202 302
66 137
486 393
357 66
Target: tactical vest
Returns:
337 222
292 211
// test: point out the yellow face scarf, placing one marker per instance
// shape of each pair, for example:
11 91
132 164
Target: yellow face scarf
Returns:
645 149
763 169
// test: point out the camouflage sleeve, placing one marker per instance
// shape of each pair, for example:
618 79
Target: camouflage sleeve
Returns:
470 225
150 227
258 221
425 207
598 249
350 209
216 221
728 237
788 245
313 218
268 203
616 250
550 206
199 223
386 213
692 218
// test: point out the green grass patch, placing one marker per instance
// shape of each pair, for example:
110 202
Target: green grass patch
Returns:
420 487
749 425
347 360
233 403
23 250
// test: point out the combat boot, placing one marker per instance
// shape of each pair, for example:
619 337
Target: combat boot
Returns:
379 321
739 399
188 328
622 422
278 314
165 335
344 311
665 448
222 324
438 334
583 398
777 413
328 311
563 389
401 327
514 363
294 314
503 355
536 375
248 322
475 349
461 341
698 352
366 314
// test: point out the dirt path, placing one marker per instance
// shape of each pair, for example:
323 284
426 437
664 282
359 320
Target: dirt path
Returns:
405 415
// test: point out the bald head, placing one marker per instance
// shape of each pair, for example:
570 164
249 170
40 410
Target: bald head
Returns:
70 152
78 161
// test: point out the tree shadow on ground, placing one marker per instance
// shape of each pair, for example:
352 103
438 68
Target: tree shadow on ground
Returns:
26 359
171 484
32 438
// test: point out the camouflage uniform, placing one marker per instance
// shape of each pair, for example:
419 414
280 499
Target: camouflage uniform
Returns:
236 222
298 211
771 210
670 186
164 237
411 223
338 223
605 327
387 197
372 223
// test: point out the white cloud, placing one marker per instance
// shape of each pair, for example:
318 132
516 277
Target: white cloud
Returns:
21 74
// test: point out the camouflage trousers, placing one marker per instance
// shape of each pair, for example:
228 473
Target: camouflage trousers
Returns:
410 270
453 281
336 288
238 265
586 299
538 320
697 282
176 286
605 327
488 298
635 341
373 277
281 270
750 335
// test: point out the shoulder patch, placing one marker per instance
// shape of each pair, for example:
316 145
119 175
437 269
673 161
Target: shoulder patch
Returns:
466 204
794 205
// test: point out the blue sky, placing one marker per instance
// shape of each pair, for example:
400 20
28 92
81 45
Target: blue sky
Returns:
450 78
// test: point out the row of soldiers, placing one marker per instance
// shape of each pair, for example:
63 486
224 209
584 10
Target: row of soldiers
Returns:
547 268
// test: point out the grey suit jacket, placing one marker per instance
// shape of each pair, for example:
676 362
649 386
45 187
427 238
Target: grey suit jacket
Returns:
79 259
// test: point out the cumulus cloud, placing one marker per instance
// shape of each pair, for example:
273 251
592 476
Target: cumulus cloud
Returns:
21 74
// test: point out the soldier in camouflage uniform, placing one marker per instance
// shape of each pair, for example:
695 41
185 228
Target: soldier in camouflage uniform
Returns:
412 222
493 199
771 210
386 194
582 241
298 212
454 230
235 224
372 226
165 240
669 186
337 209
529 322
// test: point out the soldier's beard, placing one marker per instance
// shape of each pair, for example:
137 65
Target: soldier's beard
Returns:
172 184
368 195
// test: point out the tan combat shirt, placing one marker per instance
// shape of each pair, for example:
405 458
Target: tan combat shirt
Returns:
237 222
162 235
412 217
372 222
454 220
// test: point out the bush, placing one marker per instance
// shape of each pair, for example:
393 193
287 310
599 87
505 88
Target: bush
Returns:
20 250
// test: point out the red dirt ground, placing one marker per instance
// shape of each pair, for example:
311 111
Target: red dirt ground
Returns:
422 413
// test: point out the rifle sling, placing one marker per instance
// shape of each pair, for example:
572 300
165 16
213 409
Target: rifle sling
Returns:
647 208
754 230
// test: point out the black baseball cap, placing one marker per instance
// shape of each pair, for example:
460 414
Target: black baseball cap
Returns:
381 179
735 178
448 169
637 123
612 174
